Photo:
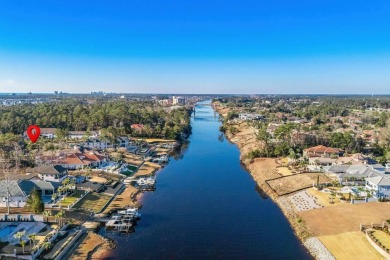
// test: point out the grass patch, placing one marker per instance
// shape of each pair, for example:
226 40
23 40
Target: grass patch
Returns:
70 199
127 173
132 168
93 202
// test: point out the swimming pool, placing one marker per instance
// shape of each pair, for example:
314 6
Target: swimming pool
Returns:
7 230
46 199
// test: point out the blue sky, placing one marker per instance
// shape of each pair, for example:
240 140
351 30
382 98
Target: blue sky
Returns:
195 46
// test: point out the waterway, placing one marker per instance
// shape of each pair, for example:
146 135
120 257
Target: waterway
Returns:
206 206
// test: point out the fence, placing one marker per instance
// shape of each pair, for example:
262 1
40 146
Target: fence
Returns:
21 217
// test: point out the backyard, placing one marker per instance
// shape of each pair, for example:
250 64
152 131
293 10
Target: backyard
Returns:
93 201
70 199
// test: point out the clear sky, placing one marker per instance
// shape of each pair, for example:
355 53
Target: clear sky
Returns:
164 46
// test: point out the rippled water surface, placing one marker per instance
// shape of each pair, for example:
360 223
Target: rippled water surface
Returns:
206 206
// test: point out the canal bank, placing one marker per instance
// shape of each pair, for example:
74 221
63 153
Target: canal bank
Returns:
206 206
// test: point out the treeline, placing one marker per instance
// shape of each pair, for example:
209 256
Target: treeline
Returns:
81 116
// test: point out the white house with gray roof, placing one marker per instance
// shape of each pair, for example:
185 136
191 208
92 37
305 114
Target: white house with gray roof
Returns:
12 191
55 173
379 185
19 190
354 174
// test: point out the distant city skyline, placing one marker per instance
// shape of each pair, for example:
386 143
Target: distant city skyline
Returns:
202 47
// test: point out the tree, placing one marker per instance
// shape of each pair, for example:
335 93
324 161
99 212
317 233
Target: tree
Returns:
386 135
32 237
23 243
54 196
47 214
59 217
34 202
292 155
19 235
47 245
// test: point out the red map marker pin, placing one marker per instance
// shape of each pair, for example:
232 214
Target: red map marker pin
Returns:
33 133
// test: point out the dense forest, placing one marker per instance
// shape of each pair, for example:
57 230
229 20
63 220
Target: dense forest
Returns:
326 123
113 116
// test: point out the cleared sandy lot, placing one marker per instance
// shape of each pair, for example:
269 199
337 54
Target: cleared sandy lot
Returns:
264 169
89 244
296 182
344 217
285 171
350 245
123 199
147 169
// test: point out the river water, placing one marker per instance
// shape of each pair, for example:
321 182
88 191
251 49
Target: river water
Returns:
206 206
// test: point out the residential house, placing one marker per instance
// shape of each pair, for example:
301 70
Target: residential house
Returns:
379 186
76 158
101 144
138 128
123 141
354 159
81 134
250 116
53 173
19 190
98 143
321 151
50 133
354 174
11 191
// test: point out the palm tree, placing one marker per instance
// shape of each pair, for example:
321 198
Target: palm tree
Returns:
47 214
19 235
59 217
47 245
23 243
32 237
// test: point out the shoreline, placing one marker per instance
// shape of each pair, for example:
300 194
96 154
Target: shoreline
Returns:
135 200
312 244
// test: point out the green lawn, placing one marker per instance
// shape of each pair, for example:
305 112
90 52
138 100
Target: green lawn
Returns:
130 170
70 199
93 202
132 167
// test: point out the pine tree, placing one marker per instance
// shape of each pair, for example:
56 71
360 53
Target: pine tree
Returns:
34 202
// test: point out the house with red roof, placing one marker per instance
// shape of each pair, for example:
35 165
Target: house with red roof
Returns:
137 127
76 158
321 151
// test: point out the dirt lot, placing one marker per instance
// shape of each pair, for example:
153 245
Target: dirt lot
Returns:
285 171
98 179
133 159
264 169
159 140
123 200
147 169
344 217
90 243
350 245
296 182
